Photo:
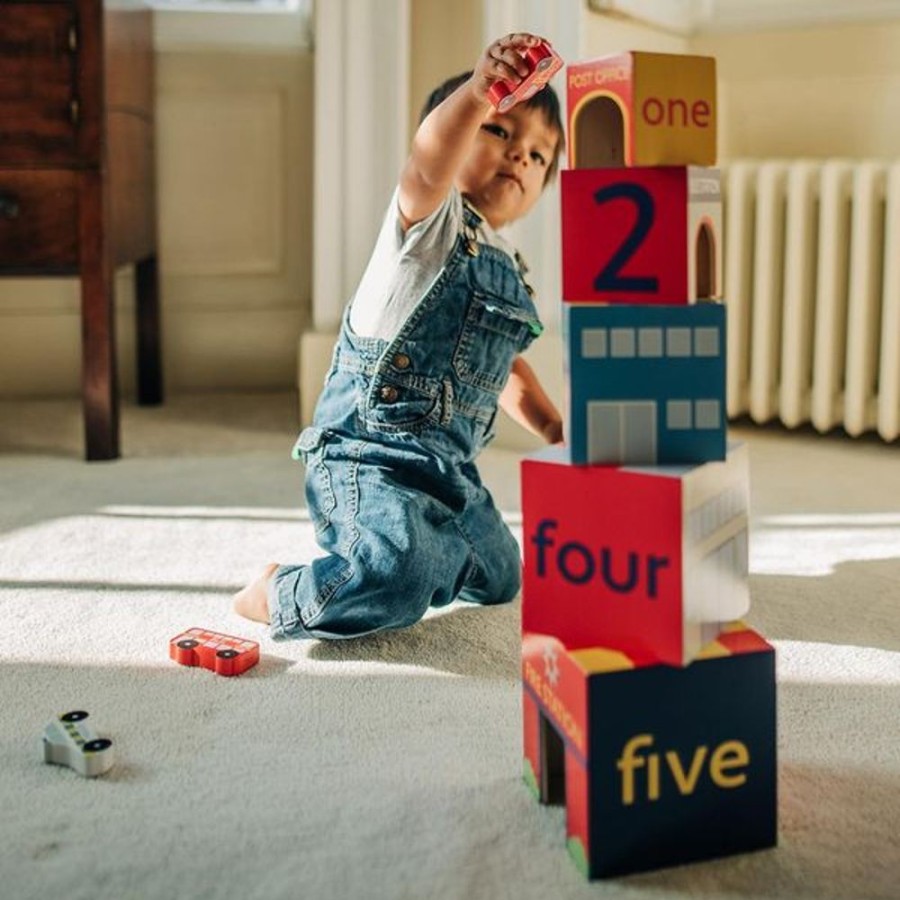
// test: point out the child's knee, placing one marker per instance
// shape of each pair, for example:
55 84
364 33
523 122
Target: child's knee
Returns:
508 563
494 582
398 594
511 582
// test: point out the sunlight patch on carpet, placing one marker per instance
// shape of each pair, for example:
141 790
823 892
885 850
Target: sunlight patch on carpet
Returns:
206 512
814 545
811 662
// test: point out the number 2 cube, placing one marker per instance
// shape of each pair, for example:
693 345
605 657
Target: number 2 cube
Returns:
641 235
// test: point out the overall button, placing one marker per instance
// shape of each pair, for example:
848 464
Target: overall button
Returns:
402 361
472 248
388 393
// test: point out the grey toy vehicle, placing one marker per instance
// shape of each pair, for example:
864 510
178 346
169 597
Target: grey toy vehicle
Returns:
68 741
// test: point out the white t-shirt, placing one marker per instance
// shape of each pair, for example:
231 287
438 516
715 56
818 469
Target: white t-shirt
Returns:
403 266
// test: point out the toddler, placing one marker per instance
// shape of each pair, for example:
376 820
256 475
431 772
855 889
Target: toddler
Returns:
428 346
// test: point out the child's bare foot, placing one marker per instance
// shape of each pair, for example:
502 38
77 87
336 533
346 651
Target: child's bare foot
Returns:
253 601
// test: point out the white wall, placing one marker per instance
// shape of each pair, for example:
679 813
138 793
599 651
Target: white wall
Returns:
816 91
235 198
235 175
445 40
234 162
603 34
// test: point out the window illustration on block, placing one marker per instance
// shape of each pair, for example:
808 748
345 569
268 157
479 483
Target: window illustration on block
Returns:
645 385
656 765
647 560
647 235
642 109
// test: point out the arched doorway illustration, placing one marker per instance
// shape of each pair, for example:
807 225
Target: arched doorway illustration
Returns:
600 135
705 262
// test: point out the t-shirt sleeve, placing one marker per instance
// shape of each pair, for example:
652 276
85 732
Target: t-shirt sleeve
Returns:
435 233
403 266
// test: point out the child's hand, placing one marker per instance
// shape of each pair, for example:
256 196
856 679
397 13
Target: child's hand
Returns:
503 61
553 432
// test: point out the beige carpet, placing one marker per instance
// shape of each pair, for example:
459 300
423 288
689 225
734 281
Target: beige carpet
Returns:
388 767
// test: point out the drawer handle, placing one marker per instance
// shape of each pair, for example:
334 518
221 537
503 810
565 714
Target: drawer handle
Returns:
9 206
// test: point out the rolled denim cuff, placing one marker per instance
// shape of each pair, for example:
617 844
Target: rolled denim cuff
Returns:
284 618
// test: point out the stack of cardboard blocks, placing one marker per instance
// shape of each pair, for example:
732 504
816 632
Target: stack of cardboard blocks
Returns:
649 707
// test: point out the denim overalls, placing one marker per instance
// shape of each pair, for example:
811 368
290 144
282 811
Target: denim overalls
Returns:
391 484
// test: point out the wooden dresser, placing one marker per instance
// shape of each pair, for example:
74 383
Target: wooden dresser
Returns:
77 188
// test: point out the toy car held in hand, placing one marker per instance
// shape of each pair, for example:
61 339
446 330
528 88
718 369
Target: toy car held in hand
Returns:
543 61
221 653
69 741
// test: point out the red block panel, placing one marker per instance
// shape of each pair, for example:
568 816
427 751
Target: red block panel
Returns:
647 560
646 235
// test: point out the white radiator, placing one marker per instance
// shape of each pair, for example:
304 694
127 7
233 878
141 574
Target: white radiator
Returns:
812 288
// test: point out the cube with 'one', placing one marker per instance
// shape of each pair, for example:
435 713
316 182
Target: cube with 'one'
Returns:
646 235
642 109
656 765
648 560
645 384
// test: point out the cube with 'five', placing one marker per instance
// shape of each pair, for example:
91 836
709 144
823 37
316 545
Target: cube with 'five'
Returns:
657 765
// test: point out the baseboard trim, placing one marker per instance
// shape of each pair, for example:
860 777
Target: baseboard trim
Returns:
215 350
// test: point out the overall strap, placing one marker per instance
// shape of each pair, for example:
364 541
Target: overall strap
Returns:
472 221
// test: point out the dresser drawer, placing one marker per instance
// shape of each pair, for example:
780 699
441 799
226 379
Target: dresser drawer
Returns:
38 220
39 104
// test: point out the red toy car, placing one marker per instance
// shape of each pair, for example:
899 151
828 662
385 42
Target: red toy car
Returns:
221 653
544 63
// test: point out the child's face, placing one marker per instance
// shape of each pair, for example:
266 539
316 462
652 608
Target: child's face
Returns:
506 168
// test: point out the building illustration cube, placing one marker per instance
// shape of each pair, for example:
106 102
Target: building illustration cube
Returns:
656 765
645 384
646 235
642 109
647 560
649 707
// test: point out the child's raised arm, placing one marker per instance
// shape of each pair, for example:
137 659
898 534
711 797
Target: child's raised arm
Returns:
445 137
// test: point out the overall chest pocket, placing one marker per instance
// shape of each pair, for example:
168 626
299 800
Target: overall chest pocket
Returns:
493 335
396 403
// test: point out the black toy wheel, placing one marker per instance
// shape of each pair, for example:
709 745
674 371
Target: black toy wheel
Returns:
77 715
188 644
227 654
97 745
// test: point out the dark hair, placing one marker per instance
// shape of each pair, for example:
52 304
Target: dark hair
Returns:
545 100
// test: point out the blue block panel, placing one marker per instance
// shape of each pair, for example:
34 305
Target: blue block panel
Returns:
658 765
684 763
646 384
